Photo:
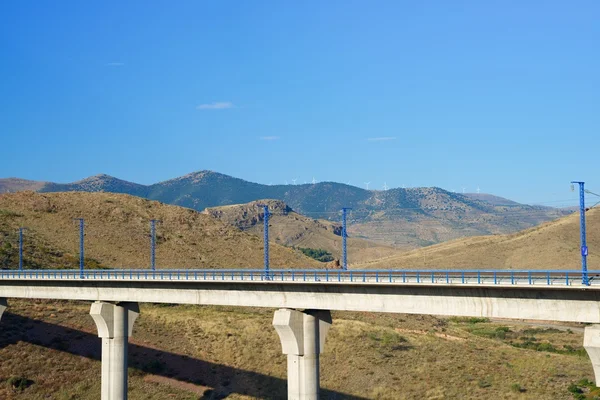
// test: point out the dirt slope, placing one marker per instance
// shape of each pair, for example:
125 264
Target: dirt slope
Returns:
117 234
289 228
553 245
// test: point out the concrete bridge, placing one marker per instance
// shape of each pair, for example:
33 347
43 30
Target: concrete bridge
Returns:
303 301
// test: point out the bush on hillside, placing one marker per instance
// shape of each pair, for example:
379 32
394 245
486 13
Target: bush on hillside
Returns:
317 254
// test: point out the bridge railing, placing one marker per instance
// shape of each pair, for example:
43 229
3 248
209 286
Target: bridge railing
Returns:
457 277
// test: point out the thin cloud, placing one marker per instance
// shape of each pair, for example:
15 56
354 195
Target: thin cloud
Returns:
220 105
269 138
381 139
115 64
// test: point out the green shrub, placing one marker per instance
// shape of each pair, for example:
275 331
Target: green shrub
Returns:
19 382
469 320
317 254
484 383
515 387
490 332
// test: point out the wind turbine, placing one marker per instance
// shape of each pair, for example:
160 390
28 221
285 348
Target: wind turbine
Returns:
385 186
464 188
314 181
478 190
367 183
294 180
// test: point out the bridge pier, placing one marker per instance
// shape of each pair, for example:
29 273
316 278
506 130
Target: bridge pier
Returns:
3 306
591 343
302 337
115 326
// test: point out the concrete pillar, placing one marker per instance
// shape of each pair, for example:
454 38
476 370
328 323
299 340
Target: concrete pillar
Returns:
115 325
591 343
3 306
302 337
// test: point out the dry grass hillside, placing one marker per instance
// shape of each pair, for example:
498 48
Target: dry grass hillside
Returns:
191 352
289 228
196 352
117 234
553 245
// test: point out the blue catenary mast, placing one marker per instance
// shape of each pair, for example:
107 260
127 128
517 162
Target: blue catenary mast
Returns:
153 244
584 248
81 255
266 237
344 236
21 249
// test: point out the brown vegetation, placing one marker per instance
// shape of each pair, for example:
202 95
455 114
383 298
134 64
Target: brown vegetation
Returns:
553 245
117 234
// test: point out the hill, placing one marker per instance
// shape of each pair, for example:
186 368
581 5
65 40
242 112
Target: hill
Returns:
405 218
553 245
190 353
490 198
291 229
233 353
11 185
117 234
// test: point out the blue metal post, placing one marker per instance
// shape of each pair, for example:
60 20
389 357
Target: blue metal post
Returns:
344 236
266 238
153 244
584 249
20 249
81 254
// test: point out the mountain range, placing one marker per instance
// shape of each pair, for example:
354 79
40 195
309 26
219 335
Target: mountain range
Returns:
405 218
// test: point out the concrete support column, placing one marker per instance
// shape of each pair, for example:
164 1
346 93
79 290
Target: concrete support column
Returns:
115 325
3 306
302 337
591 343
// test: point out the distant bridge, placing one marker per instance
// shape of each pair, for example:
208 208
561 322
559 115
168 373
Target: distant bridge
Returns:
304 299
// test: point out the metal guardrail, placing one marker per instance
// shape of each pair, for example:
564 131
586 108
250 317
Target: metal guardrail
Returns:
442 277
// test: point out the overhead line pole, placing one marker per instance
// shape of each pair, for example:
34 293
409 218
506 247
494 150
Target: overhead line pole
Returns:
153 244
266 237
584 248
344 236
81 254
21 249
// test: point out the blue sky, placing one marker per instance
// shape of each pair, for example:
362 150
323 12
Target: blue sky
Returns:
501 95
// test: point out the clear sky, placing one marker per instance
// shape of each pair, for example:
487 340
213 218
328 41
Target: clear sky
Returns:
501 95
